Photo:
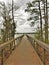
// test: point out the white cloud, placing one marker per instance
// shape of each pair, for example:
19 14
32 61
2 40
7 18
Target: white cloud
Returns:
21 16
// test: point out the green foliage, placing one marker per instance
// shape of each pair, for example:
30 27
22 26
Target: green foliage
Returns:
29 5
13 29
33 8
9 26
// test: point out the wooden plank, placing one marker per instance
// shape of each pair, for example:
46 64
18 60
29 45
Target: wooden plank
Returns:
24 54
2 46
42 44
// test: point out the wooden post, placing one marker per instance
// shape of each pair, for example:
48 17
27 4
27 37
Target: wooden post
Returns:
34 44
14 44
37 47
2 57
44 56
10 49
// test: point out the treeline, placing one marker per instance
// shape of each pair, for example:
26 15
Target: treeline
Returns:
7 14
39 9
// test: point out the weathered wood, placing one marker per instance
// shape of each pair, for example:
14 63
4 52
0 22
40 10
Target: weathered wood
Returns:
24 55
41 48
1 57
2 46
42 44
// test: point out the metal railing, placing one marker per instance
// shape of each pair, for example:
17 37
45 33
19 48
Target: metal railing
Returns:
41 48
7 48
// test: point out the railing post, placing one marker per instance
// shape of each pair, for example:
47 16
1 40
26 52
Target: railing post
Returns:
37 47
34 43
44 56
47 58
2 57
14 44
10 49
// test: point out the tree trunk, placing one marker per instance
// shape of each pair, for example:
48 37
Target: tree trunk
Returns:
41 33
12 19
46 25
6 23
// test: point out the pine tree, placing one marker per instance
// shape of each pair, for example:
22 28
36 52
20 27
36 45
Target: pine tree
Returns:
37 11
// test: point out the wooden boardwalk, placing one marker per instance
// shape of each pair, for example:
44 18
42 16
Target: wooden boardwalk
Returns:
24 54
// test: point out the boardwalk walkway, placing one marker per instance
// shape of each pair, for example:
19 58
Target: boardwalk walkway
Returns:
24 54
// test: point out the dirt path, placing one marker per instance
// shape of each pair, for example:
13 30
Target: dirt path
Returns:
24 54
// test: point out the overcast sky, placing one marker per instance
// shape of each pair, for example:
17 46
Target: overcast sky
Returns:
22 23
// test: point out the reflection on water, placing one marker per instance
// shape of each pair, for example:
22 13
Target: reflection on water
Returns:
16 35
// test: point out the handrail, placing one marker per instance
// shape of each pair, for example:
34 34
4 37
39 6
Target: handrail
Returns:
11 47
8 42
41 48
42 44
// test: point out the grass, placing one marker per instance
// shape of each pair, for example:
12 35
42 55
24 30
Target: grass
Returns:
38 37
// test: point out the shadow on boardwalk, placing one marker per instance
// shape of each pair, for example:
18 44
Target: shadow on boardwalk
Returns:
24 54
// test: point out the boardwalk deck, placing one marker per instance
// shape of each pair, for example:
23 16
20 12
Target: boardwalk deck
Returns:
24 54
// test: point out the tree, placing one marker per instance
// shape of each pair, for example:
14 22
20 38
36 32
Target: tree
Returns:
8 24
46 22
3 14
41 13
14 7
35 8
13 23
45 9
